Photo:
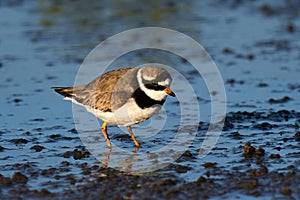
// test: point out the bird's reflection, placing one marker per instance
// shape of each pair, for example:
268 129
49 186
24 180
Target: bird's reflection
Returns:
128 160
105 162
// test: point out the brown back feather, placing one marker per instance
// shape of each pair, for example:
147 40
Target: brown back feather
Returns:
107 92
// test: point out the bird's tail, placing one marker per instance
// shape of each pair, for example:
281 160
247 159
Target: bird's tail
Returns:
65 91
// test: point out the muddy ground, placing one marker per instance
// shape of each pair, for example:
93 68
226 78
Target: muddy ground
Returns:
253 177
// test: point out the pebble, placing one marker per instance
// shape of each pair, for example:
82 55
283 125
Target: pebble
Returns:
290 28
248 149
18 177
275 155
19 141
297 136
209 164
286 191
37 148
282 100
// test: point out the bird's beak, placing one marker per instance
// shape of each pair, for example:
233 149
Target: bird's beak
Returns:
170 92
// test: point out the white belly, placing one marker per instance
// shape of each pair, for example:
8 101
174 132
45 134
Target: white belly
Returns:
127 115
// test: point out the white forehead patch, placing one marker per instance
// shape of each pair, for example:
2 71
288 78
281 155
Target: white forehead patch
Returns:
148 78
165 82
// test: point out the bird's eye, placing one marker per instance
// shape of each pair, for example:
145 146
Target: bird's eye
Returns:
154 86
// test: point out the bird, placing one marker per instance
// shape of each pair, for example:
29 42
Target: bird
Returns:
123 97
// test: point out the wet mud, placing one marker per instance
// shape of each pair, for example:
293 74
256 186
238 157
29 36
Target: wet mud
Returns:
251 173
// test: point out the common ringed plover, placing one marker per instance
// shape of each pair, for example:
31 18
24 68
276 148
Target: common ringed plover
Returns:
123 97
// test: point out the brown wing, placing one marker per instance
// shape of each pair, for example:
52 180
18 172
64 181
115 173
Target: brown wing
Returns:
107 92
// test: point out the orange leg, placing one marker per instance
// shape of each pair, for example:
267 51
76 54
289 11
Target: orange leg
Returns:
104 131
132 136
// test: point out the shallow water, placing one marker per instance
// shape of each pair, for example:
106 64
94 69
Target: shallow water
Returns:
255 46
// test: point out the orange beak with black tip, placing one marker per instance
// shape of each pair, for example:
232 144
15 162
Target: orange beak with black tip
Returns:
169 92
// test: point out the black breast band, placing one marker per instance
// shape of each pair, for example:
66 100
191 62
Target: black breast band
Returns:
143 100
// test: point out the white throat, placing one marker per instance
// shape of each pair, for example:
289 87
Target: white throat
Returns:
153 94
